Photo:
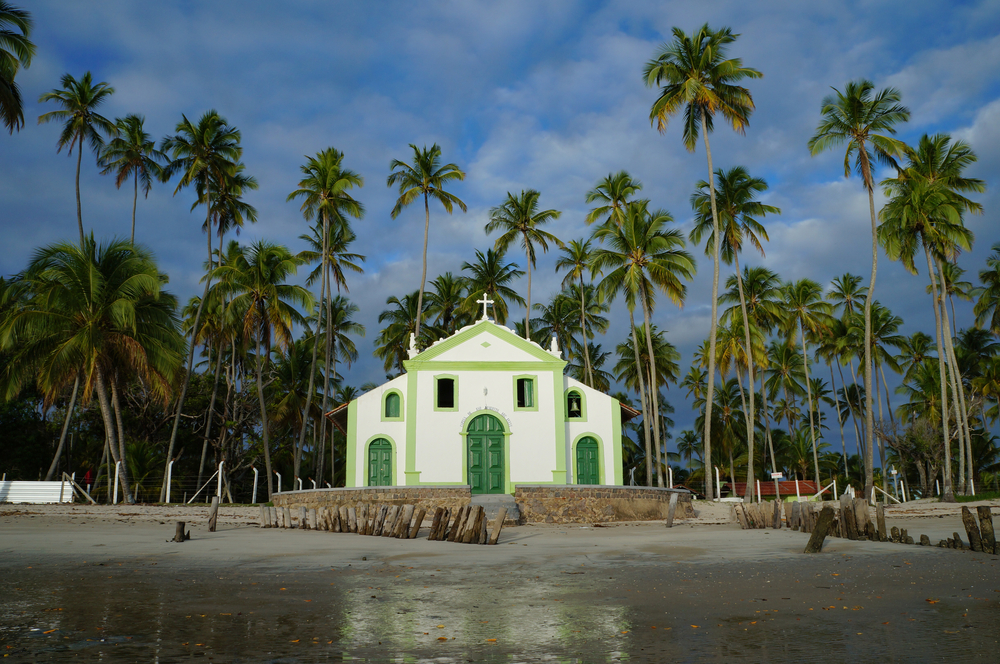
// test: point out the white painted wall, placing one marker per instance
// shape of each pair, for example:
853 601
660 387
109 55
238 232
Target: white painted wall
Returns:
600 410
370 424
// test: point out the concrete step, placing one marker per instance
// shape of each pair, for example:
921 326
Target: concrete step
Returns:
493 502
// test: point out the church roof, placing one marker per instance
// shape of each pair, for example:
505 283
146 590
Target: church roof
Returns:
501 344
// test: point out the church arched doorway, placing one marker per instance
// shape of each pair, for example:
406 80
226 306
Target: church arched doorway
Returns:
380 463
588 470
485 447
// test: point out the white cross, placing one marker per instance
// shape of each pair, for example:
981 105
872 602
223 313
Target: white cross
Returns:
485 302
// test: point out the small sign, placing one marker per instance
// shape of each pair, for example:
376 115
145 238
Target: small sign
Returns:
777 476
894 471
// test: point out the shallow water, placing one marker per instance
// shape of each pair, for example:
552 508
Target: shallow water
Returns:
143 612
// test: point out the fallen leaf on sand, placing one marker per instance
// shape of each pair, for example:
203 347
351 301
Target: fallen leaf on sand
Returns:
440 626
491 640
442 638
49 632
694 626
932 601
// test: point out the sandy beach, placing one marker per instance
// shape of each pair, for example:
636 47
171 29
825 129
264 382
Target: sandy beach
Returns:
83 582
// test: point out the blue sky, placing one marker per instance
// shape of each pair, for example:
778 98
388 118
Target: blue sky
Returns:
521 95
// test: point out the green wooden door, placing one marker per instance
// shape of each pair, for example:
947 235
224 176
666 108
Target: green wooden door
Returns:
587 469
380 463
486 454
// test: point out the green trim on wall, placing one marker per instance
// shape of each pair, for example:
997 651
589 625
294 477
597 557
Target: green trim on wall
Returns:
507 486
583 404
402 404
477 329
616 437
454 378
412 477
395 454
559 408
600 456
411 423
350 474
535 397
485 366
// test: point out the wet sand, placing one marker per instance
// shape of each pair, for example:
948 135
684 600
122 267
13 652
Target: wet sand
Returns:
104 583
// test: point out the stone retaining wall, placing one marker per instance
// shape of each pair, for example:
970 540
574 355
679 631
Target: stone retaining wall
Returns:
596 504
427 497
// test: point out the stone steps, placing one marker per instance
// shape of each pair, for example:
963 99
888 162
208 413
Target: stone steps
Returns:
493 502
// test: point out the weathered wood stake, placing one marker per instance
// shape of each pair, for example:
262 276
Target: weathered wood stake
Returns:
972 530
880 521
986 528
213 514
671 509
417 522
179 532
352 520
498 525
819 532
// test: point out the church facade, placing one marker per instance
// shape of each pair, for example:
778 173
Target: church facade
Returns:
484 408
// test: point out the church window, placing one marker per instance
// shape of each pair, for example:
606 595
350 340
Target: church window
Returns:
574 405
445 392
392 405
525 392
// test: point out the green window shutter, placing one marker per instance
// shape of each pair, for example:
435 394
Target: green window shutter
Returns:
392 405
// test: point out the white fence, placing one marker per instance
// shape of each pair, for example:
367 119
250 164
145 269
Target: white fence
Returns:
35 492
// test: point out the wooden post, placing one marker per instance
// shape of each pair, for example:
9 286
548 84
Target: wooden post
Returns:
484 532
402 529
925 540
880 522
498 525
417 522
787 507
741 515
272 516
389 524
972 530
865 528
460 519
473 525
435 523
345 523
287 512
361 512
179 532
796 515
670 510
213 514
777 515
442 533
263 516
312 519
815 544
352 520
986 528
959 544
894 534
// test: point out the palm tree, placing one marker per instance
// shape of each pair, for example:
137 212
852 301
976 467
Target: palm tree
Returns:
16 51
426 177
325 192
696 76
96 313
255 283
642 254
987 307
611 194
601 378
491 276
81 122
558 319
338 326
735 209
207 152
864 120
445 302
576 260
806 313
519 218
394 341
132 153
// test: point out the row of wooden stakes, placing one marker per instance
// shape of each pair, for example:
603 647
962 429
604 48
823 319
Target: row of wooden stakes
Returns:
399 521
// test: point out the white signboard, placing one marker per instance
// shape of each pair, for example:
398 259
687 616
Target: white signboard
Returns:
777 476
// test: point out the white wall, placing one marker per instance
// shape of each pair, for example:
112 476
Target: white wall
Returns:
370 424
600 410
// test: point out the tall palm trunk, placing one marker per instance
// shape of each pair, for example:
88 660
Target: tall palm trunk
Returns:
958 388
947 493
750 414
583 331
65 428
715 313
194 334
654 386
859 436
110 432
809 405
869 413
331 366
642 400
527 313
840 422
209 416
79 209
315 350
117 410
135 199
767 425
423 273
263 417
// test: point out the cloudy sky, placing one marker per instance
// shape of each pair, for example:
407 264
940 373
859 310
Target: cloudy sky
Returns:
543 95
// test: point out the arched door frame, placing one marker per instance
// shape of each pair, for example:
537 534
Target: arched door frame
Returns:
506 446
368 443
600 456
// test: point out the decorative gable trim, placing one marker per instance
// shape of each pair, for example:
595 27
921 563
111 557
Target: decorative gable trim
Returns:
545 358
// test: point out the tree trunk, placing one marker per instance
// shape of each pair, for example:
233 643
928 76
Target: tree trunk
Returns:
116 407
767 426
109 430
947 492
642 400
331 362
79 210
958 388
809 405
263 419
423 273
854 418
65 428
840 422
583 331
527 315
211 412
750 414
135 199
707 441
315 350
194 334
881 442
654 386
869 414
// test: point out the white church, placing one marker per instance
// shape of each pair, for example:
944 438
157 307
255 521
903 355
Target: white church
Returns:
484 408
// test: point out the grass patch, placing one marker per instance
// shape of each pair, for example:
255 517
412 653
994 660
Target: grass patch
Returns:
984 495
